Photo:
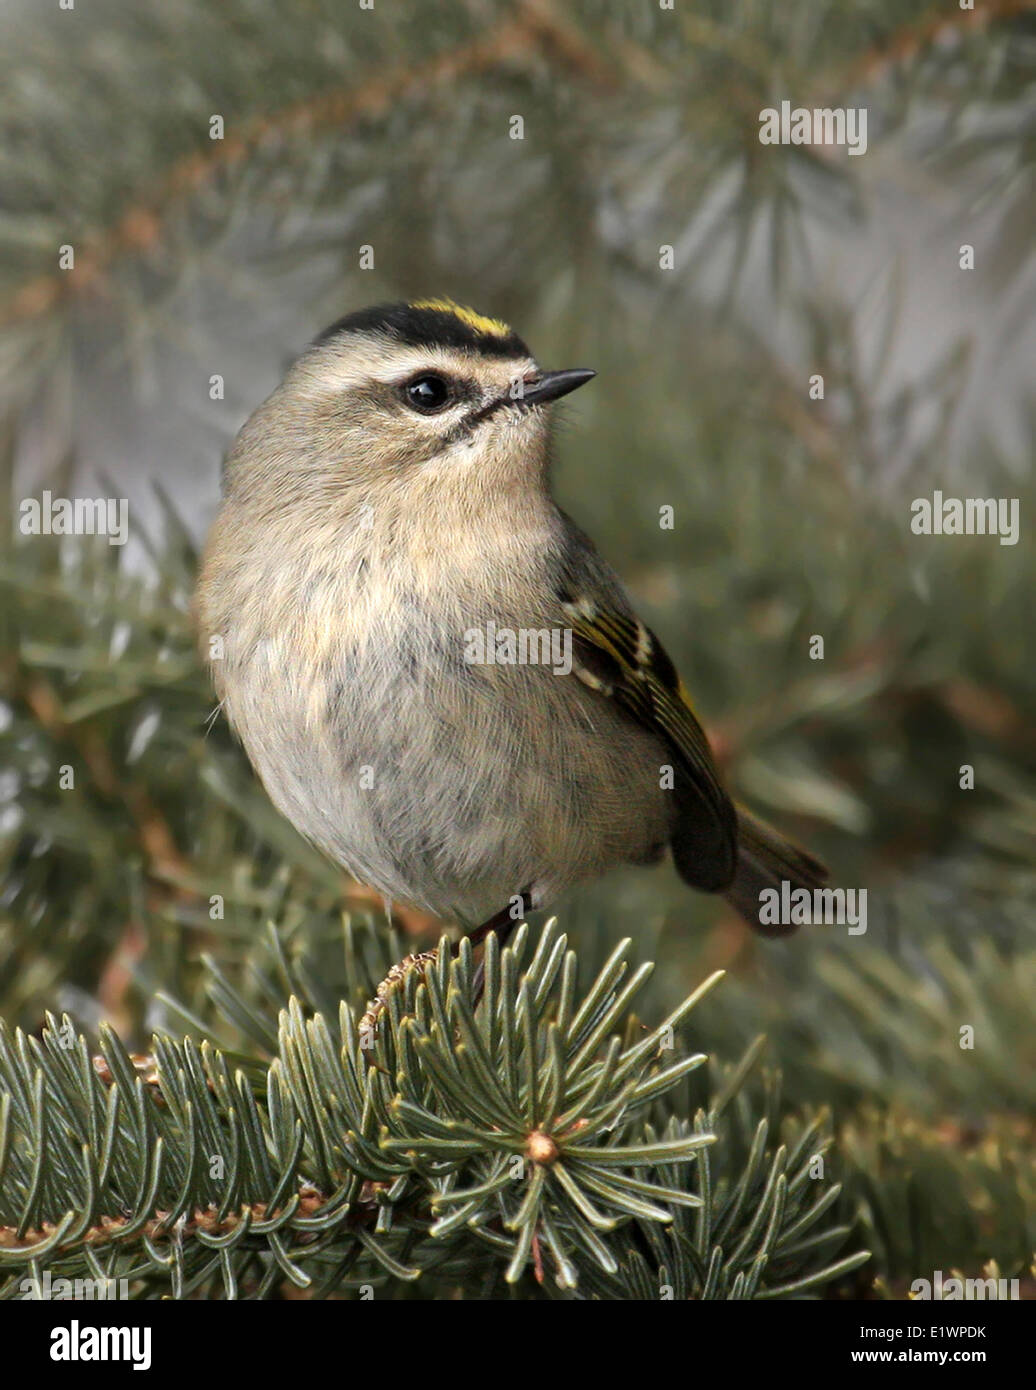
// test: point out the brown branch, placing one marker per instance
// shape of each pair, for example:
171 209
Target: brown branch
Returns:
905 43
534 29
108 1230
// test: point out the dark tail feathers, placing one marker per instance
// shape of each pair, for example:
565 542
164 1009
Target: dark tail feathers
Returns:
765 859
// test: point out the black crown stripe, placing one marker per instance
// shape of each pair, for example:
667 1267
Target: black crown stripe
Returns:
426 327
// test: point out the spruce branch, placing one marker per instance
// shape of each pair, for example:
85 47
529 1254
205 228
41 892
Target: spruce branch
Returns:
761 1225
534 30
507 1135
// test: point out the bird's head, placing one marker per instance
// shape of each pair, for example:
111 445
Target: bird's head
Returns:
407 400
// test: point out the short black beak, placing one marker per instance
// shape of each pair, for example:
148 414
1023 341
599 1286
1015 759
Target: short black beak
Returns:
552 385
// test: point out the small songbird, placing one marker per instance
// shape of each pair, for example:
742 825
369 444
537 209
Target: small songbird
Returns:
437 678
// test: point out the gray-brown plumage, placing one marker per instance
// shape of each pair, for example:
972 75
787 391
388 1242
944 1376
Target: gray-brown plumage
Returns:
390 499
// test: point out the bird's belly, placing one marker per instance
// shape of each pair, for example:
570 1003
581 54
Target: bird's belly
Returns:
451 786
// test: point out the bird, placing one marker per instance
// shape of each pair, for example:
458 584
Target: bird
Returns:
386 542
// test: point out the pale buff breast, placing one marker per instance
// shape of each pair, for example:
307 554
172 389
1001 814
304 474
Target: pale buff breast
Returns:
435 780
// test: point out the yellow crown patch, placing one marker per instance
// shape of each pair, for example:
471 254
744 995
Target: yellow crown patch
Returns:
479 323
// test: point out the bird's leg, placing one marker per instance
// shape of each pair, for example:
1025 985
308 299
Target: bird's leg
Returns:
503 923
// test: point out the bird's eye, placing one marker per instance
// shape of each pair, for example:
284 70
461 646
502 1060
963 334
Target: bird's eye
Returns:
428 393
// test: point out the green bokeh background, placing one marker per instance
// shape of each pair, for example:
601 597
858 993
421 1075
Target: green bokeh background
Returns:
391 128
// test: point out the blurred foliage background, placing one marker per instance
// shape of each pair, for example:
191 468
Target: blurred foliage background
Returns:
390 128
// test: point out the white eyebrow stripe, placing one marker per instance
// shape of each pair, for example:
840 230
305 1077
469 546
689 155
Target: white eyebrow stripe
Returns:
339 366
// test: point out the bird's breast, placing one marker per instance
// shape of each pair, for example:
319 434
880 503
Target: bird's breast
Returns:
424 728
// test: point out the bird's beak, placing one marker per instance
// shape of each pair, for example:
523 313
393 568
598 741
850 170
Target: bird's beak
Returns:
550 386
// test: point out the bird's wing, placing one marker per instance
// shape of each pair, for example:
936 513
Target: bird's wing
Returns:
620 657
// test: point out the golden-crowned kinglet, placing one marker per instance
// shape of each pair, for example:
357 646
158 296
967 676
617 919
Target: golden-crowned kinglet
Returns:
435 674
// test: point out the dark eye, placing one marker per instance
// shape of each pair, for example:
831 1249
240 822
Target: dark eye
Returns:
428 393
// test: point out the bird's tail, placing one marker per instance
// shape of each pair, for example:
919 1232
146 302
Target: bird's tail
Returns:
766 859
